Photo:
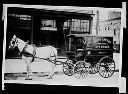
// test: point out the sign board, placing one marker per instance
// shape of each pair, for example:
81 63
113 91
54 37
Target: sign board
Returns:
102 42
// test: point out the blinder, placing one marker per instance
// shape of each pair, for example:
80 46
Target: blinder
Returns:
13 43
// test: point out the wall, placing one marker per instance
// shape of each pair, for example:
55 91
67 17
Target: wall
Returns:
110 28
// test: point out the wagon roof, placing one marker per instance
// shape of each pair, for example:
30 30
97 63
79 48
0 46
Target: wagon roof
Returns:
86 35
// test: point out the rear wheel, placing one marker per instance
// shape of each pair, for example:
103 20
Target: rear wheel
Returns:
106 67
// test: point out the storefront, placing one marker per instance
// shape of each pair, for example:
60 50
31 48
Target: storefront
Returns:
46 27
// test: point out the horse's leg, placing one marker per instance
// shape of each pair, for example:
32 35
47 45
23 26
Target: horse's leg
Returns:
53 65
28 70
51 72
28 62
53 58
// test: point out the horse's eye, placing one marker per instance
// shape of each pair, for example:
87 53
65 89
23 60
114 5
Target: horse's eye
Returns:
13 42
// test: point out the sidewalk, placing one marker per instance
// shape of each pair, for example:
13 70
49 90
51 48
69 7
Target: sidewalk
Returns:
18 65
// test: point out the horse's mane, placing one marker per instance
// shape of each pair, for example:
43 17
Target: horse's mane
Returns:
20 40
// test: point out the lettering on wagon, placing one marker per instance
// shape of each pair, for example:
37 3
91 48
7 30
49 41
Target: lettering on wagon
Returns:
103 40
99 46
103 43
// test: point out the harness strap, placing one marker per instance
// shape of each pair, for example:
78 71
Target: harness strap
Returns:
34 50
27 54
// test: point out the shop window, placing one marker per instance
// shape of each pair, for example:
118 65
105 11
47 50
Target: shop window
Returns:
48 25
108 28
78 25
114 31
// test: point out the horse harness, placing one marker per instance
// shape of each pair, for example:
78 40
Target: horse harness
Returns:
28 54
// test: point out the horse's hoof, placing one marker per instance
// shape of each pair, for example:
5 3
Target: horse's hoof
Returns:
50 77
28 78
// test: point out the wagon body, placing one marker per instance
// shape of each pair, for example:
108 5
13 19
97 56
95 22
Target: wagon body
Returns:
98 47
95 50
94 47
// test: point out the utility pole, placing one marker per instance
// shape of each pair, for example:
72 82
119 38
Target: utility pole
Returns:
97 22
70 29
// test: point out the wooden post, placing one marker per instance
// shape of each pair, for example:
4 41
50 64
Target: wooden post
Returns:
31 39
90 26
70 29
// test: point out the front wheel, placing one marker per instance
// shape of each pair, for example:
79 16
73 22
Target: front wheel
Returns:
81 69
106 67
68 68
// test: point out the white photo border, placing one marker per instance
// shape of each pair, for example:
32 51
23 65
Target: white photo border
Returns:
46 7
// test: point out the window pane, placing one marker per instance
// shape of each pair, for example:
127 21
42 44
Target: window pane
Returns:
48 24
78 26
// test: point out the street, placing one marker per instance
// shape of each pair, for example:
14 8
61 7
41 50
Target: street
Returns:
16 71
62 79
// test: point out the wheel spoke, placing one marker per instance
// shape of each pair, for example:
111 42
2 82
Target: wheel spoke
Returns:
68 69
107 74
77 71
102 68
93 69
80 69
77 75
103 72
111 67
84 74
110 71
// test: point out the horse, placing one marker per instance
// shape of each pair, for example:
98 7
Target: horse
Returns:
30 52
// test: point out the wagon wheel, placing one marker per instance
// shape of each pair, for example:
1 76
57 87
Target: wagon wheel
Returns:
68 68
93 68
106 67
81 69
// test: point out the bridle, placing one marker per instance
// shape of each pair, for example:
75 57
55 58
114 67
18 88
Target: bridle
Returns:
15 42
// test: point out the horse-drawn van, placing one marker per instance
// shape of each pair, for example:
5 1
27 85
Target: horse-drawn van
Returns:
89 54
85 54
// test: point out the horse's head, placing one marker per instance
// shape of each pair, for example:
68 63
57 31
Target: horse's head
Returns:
13 42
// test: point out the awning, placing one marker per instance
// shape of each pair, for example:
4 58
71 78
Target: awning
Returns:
53 12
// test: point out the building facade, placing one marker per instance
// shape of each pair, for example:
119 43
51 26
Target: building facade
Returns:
110 28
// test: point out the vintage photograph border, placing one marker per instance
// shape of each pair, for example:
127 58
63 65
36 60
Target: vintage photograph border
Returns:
6 6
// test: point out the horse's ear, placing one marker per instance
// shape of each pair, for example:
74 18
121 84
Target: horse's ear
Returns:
14 36
27 41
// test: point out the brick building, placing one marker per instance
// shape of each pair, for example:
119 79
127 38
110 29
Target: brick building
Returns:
111 27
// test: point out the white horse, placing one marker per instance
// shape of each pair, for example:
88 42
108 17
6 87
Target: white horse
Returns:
31 52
